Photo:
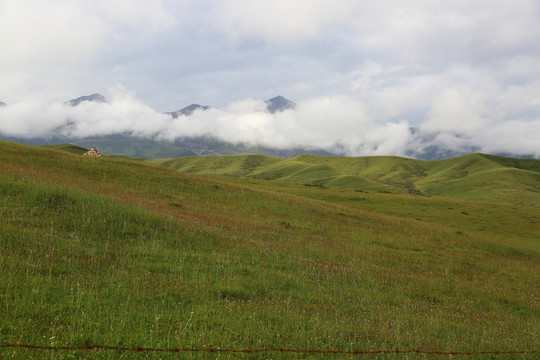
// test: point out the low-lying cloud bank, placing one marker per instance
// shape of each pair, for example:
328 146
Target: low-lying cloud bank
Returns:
456 121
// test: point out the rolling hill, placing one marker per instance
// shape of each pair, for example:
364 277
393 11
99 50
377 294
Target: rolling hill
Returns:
126 253
470 177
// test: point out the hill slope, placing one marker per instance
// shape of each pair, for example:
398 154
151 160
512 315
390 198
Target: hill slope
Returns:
73 149
470 177
112 251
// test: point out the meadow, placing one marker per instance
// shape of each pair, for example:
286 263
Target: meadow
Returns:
126 252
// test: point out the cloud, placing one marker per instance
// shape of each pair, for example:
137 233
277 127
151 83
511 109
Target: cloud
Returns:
456 110
144 17
458 120
362 72
30 119
331 123
521 100
124 113
438 33
49 45
318 123
38 36
412 31
363 77
514 137
280 20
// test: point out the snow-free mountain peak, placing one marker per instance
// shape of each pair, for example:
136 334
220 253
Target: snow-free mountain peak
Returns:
188 110
279 103
92 98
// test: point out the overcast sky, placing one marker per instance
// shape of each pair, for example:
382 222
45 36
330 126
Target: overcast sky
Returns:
362 72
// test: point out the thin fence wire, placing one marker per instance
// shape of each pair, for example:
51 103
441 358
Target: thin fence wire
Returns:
270 349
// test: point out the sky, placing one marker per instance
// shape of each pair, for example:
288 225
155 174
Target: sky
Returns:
362 72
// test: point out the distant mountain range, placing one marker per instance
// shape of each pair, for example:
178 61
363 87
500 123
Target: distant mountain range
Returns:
150 148
425 148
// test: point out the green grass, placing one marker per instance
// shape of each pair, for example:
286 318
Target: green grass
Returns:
112 251
470 177
73 149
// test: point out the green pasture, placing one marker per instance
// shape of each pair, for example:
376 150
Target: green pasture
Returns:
118 252
476 177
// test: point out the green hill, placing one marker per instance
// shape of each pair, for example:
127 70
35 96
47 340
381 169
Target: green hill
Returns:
73 149
115 251
470 177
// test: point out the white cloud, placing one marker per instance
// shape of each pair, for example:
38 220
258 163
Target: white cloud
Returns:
521 100
280 20
361 71
456 110
30 119
50 46
458 120
377 139
516 137
434 32
44 34
124 113
144 17
318 123
363 78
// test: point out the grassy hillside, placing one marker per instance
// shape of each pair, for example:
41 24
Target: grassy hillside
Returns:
113 251
470 177
73 149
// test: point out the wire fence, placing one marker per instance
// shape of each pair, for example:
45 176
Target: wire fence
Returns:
270 349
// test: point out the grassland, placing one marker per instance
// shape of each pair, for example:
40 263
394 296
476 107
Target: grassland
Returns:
472 177
114 251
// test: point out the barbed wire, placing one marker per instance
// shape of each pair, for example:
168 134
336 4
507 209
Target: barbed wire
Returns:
269 349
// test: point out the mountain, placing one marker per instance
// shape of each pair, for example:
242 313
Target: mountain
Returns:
188 110
92 98
278 104
2 103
